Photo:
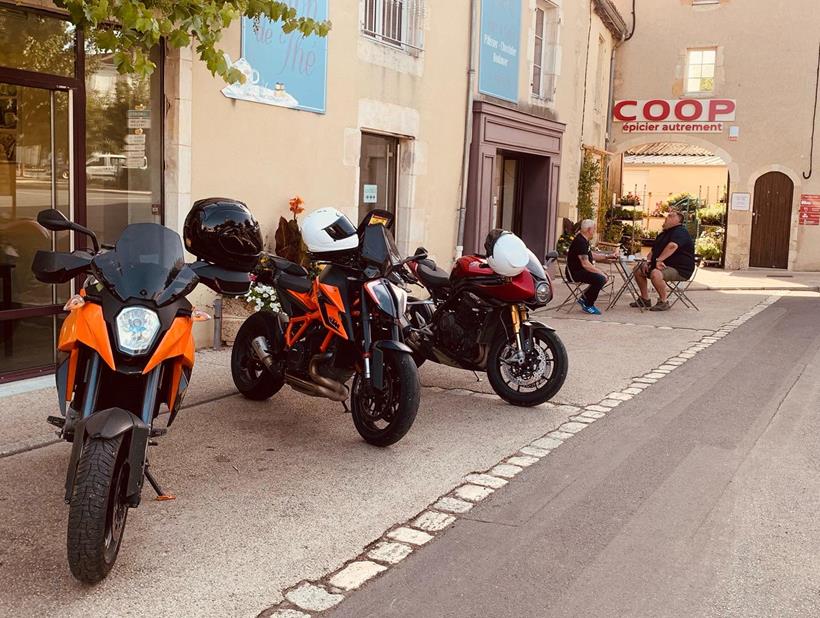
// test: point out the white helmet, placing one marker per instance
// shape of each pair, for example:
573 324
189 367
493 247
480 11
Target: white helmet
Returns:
328 229
507 254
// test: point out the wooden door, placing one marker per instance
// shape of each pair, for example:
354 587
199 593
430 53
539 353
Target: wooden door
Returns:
771 221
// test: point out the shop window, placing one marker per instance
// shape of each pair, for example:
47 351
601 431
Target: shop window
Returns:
395 22
700 70
378 173
546 56
123 166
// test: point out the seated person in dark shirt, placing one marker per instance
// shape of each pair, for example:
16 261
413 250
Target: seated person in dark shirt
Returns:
581 266
672 259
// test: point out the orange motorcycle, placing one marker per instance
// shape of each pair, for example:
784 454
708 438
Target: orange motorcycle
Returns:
342 324
126 350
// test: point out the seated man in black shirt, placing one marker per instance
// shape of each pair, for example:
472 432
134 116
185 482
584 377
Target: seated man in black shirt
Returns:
581 266
672 259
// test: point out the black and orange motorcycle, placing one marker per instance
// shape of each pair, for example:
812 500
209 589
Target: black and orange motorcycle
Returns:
343 323
126 350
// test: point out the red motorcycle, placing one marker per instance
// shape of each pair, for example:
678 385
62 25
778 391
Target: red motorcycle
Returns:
477 318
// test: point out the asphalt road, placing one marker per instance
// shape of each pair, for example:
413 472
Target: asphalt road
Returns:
697 498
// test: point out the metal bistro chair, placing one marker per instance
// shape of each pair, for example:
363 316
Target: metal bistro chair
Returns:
678 289
576 289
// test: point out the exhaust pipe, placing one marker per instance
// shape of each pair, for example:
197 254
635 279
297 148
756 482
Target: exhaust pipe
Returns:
262 351
320 386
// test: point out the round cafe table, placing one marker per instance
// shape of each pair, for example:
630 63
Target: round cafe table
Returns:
626 267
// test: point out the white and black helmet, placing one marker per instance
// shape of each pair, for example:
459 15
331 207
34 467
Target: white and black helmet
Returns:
507 254
327 230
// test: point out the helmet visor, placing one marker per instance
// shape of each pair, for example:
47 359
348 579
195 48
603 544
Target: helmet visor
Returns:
340 229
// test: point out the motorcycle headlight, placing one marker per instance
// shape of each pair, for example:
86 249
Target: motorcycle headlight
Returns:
543 292
401 296
137 328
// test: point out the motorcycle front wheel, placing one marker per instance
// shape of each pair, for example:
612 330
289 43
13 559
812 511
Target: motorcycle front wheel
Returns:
97 510
384 417
537 378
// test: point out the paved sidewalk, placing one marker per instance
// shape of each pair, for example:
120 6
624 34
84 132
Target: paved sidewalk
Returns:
273 493
687 501
756 279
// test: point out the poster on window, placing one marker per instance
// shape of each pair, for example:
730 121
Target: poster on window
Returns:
284 70
499 48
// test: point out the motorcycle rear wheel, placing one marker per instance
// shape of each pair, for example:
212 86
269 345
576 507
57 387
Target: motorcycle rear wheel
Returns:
97 510
384 417
528 384
249 375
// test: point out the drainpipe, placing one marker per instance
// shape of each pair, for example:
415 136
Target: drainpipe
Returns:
468 126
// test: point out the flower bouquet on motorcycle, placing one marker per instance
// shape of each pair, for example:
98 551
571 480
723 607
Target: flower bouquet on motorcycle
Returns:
343 323
477 318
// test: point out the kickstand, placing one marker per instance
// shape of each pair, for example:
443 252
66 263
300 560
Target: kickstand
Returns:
161 495
344 405
477 377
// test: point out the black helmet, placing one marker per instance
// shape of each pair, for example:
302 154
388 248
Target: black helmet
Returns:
223 231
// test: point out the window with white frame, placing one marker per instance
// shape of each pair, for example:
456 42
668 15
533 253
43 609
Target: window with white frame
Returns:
700 69
546 53
395 22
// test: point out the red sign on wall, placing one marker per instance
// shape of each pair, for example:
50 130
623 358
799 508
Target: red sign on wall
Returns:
674 115
809 209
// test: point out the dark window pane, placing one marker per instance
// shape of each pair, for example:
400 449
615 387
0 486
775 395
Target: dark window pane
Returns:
35 42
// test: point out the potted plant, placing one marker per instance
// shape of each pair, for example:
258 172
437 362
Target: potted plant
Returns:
289 245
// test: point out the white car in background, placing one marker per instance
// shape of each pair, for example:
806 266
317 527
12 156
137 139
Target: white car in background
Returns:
106 168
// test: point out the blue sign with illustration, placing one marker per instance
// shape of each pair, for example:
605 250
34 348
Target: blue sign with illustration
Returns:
286 70
499 49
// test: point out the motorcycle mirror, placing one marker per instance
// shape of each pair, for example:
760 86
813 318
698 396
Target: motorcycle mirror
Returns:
52 219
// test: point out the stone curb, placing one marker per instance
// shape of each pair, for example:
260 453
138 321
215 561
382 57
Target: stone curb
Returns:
308 598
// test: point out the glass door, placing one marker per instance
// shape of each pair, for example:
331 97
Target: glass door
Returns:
35 174
378 176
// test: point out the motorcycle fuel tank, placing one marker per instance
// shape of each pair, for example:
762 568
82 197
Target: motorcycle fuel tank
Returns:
488 283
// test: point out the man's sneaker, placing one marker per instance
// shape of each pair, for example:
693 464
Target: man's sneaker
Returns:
591 309
661 305
583 303
641 302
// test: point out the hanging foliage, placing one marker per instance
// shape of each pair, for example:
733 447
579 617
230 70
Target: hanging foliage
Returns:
141 23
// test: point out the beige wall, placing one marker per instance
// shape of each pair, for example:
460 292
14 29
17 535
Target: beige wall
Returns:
767 58
264 155
582 75
657 183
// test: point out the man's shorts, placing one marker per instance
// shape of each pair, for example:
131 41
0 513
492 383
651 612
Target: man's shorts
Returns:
671 274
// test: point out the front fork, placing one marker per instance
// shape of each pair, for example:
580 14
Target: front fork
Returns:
518 313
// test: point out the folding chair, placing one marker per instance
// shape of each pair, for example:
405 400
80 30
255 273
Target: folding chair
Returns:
678 289
575 291
575 288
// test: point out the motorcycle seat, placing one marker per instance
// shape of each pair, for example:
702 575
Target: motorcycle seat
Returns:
432 276
286 266
294 283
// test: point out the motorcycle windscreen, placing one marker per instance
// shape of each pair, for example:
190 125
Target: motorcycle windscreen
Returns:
147 263
378 247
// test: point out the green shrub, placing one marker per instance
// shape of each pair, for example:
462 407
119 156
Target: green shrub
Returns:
710 245
588 179
712 215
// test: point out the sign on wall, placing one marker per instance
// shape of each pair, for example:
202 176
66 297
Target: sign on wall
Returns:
285 70
809 209
741 201
674 115
499 48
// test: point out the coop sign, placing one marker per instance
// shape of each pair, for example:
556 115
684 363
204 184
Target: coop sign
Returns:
674 115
